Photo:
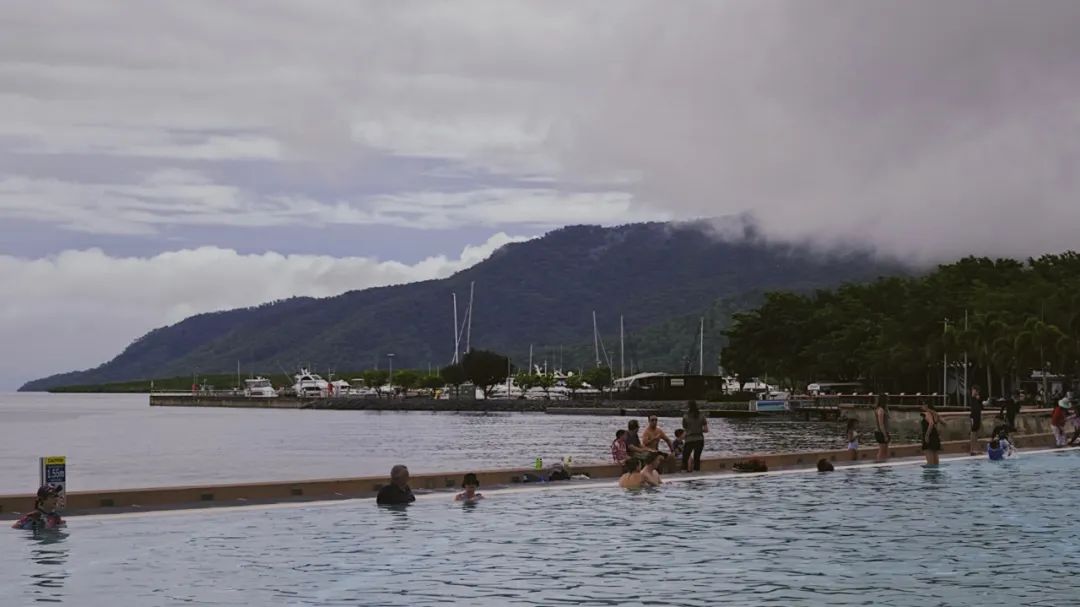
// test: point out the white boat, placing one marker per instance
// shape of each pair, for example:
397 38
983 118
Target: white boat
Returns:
310 385
357 388
259 387
504 391
340 387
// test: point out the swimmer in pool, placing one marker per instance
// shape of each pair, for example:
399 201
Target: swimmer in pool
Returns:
650 475
470 484
44 515
631 478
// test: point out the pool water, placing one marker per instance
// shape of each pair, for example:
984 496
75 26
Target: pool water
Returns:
971 532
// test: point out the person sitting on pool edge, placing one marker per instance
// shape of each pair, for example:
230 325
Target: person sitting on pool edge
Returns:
631 478
44 515
398 491
470 484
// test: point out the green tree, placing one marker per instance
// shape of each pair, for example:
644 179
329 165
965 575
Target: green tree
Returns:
431 382
453 375
545 382
574 383
485 369
524 380
598 377
406 378
375 378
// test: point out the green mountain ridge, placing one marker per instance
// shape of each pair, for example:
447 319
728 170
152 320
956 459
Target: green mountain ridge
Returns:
660 277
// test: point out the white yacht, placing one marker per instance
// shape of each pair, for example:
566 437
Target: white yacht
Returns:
310 385
259 387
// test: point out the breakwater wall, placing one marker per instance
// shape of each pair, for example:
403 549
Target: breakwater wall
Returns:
957 426
164 498
626 408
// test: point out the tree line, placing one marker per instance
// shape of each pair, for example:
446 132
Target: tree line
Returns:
1009 317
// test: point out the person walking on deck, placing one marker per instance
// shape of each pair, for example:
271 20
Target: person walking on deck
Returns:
1057 424
696 426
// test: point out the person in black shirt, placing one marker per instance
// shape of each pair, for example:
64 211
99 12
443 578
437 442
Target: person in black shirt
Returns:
398 491
976 417
1010 408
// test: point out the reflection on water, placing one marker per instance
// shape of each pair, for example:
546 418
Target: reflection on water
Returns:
48 565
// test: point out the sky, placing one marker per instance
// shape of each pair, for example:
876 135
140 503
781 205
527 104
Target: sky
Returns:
159 160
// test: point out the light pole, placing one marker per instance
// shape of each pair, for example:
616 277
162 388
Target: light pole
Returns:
390 380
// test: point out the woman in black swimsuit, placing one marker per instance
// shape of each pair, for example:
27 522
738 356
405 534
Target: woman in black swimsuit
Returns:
931 438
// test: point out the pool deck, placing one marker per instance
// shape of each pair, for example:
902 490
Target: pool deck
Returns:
246 494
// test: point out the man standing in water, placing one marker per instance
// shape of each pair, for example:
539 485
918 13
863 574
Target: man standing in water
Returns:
398 492
976 417
881 435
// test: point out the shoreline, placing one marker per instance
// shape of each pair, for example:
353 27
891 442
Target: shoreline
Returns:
150 499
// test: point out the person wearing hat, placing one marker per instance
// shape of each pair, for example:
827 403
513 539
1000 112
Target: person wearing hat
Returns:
44 515
470 485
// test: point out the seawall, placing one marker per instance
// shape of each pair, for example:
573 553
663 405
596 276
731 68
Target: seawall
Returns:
957 426
166 498
555 407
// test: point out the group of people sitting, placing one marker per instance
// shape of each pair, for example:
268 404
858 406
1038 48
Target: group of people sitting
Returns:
641 457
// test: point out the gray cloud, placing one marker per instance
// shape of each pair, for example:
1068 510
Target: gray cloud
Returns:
927 129
898 123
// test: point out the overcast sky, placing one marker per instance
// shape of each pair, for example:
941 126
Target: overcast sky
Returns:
163 159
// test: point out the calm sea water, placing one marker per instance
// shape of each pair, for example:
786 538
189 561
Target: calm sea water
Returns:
968 533
118 441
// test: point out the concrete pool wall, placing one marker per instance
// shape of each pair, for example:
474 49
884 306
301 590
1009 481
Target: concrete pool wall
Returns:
905 421
163 498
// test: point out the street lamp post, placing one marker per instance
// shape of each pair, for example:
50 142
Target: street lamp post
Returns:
390 380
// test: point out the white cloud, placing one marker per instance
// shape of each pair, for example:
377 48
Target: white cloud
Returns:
80 308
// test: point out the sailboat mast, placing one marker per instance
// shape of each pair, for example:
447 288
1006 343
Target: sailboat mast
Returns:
468 331
530 360
457 338
622 348
595 339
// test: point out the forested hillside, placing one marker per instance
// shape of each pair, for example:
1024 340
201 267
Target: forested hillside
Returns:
539 292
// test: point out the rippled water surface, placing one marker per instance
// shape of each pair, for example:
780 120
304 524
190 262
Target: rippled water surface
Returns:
968 533
117 441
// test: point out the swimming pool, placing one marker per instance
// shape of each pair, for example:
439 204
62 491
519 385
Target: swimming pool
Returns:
971 532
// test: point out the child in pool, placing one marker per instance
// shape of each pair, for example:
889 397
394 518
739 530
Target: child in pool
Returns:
470 484
44 515
852 436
